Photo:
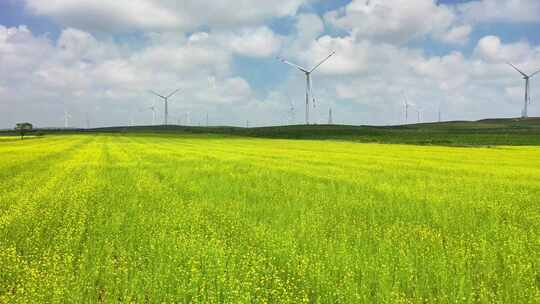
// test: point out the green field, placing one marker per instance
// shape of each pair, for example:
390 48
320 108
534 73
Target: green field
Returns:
212 218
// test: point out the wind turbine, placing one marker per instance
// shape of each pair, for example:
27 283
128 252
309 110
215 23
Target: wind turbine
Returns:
188 118
418 111
67 116
166 100
153 109
527 89
330 118
308 79
291 110
406 106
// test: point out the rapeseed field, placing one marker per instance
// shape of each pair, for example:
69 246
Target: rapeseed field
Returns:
210 218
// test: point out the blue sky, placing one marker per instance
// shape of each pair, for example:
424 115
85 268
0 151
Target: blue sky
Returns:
97 59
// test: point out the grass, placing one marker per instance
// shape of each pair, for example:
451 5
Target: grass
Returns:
211 218
487 132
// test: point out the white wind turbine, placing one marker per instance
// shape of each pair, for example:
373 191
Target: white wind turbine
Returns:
419 112
330 118
188 118
308 79
153 109
67 116
291 110
166 100
527 89
439 113
406 107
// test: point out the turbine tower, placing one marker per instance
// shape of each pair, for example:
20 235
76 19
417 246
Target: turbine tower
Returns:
308 79
330 118
166 100
527 78
418 111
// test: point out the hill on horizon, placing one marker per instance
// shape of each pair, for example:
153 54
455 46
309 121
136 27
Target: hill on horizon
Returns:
491 131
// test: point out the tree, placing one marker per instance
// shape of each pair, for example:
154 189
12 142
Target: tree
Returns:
23 128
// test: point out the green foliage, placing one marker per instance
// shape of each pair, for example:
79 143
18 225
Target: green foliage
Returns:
23 128
207 218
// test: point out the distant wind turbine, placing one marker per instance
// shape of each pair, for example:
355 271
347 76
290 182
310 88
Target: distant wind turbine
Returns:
406 106
419 112
153 109
308 79
527 89
67 116
291 110
188 118
166 100
330 118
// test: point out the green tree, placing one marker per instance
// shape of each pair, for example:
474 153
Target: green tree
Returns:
23 128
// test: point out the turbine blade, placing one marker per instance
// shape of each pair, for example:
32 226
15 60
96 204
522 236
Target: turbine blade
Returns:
158 95
292 64
323 61
176 91
524 75
534 73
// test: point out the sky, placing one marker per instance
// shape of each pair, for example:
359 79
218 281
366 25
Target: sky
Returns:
94 61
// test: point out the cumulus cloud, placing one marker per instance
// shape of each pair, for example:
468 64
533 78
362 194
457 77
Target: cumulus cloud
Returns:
252 42
132 15
378 59
510 11
81 73
456 35
393 20
308 27
490 48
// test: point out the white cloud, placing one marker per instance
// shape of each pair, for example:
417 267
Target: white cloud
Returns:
364 82
103 15
252 42
456 35
393 20
82 74
130 15
490 48
510 11
309 27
